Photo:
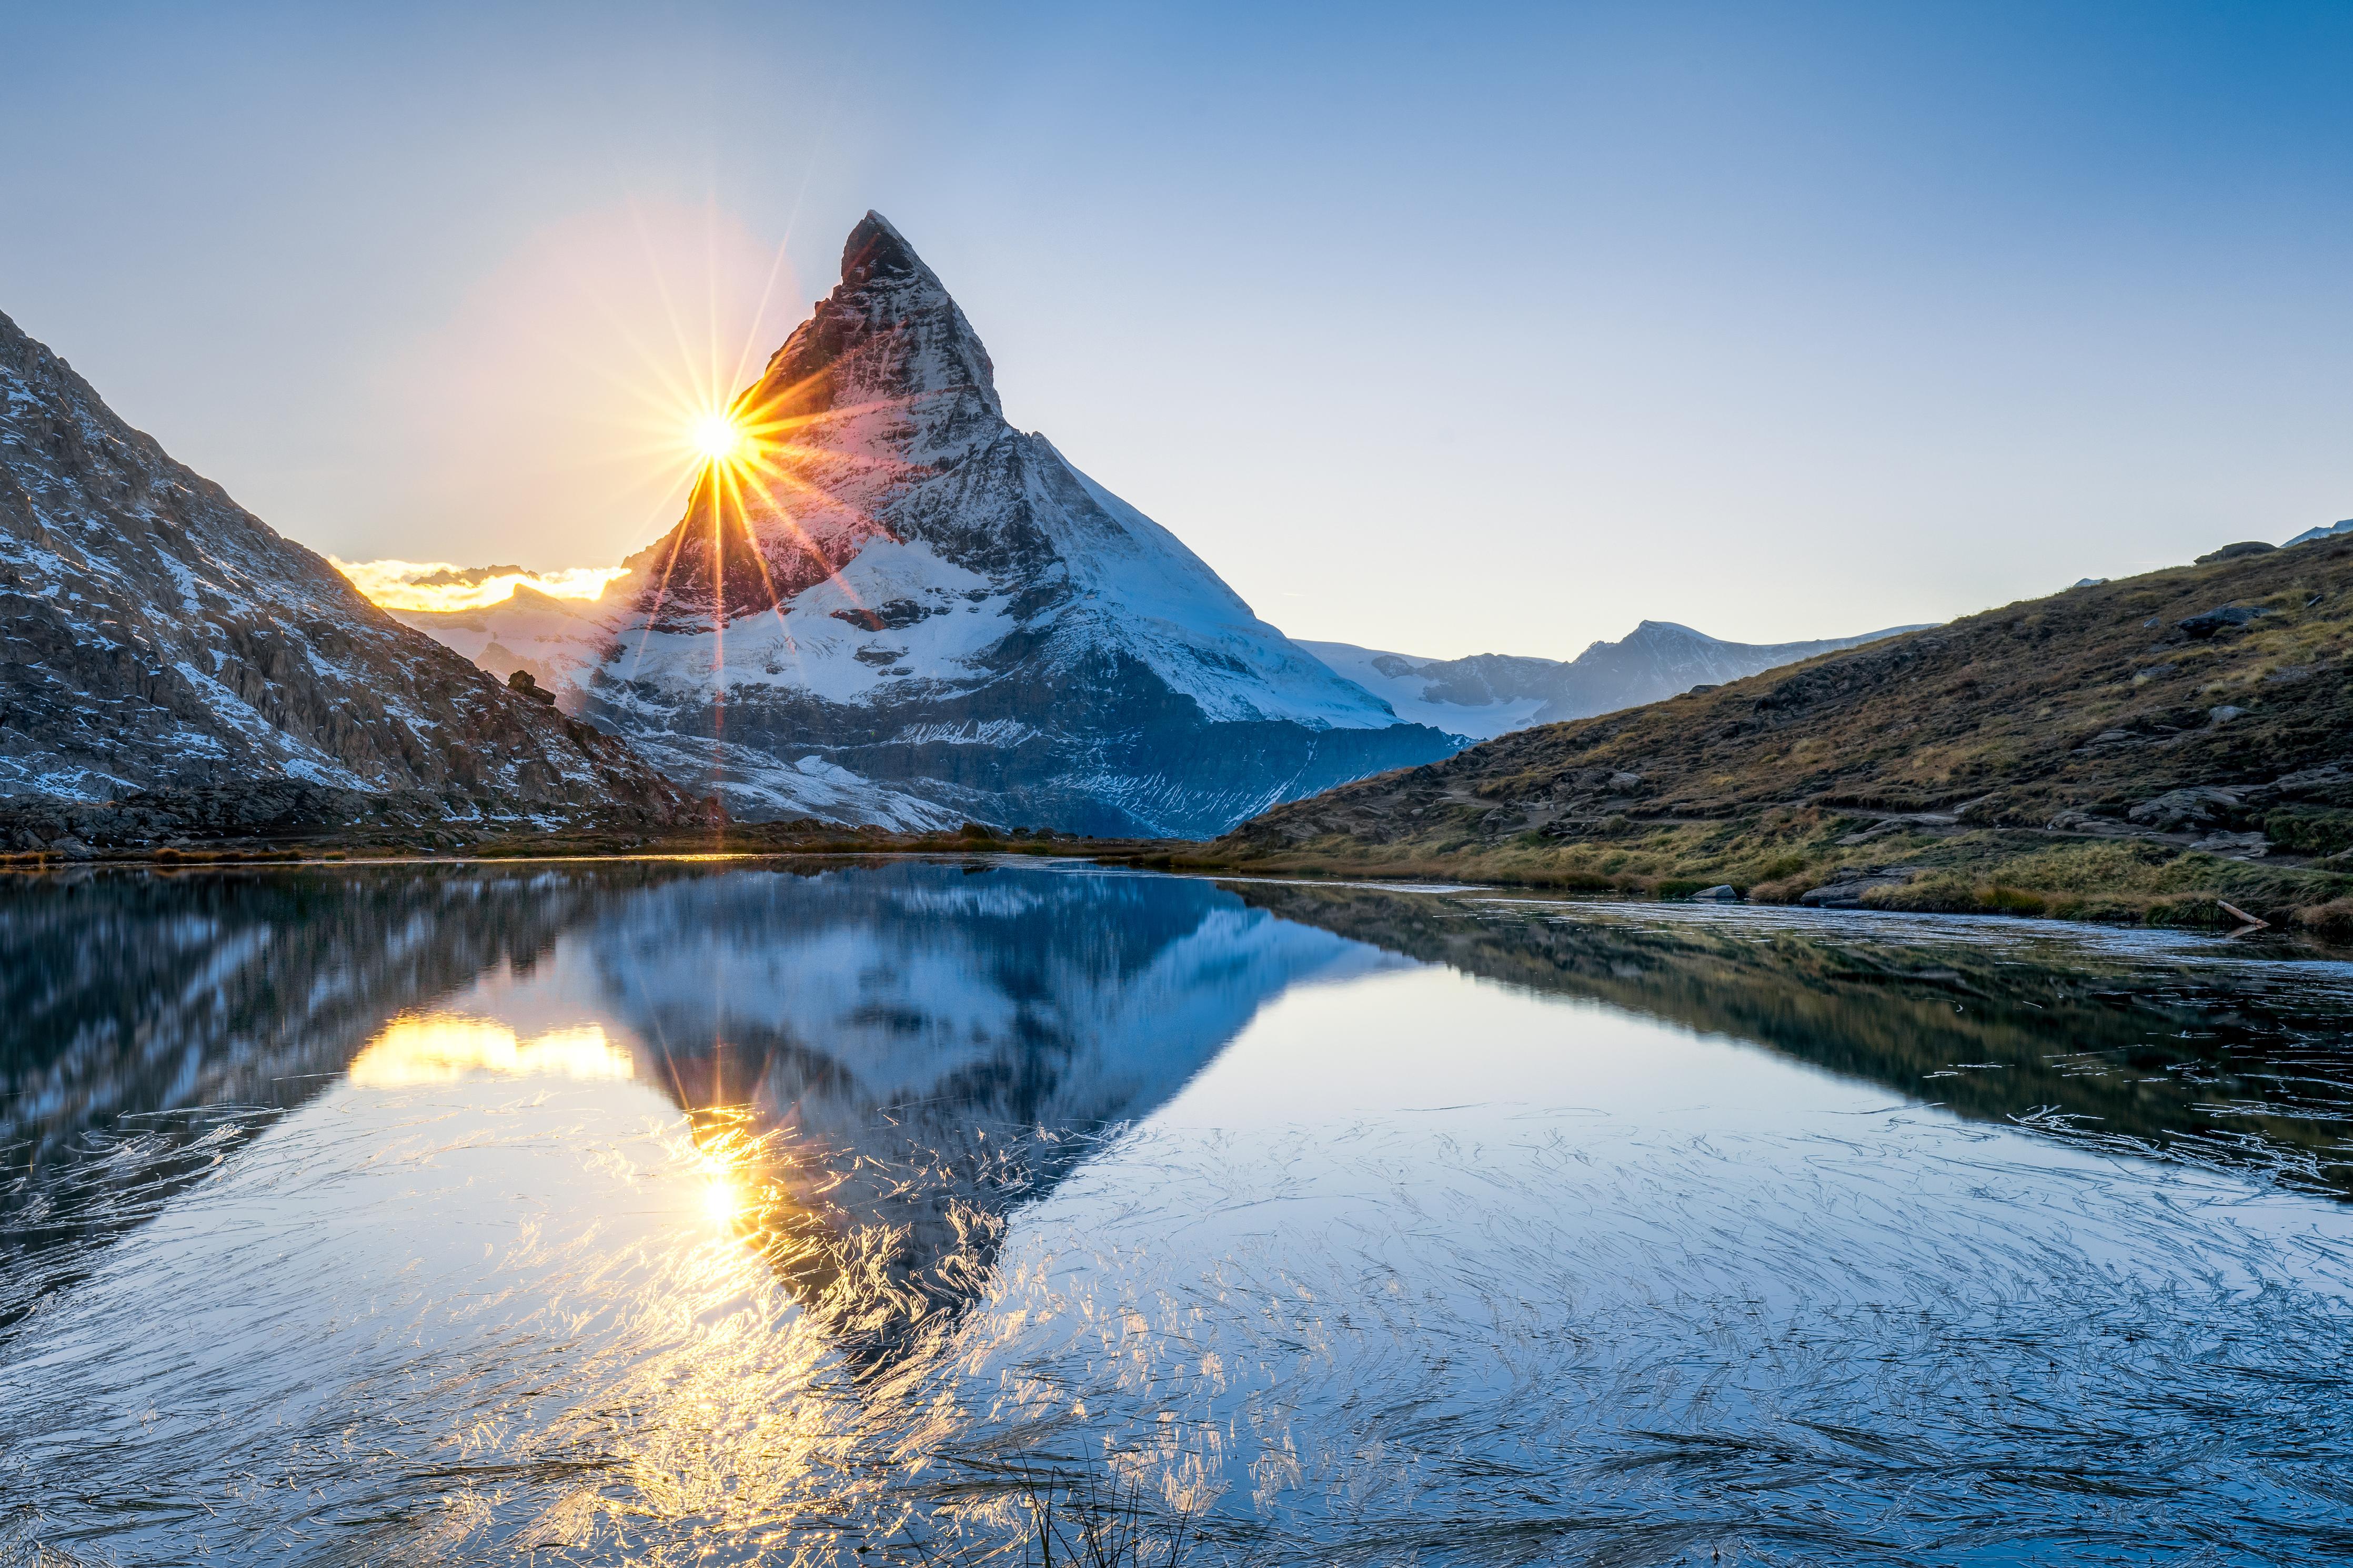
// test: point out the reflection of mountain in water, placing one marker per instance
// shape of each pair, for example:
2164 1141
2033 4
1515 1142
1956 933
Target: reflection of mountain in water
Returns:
2244 1065
888 1055
893 1058
138 992
231 995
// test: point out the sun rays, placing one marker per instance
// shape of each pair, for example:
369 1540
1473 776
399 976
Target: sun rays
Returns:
760 473
752 481
658 325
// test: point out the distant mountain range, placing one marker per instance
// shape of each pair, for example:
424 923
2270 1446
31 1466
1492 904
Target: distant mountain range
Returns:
169 664
1471 699
1490 694
910 613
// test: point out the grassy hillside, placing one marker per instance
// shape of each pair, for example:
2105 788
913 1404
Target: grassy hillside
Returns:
2115 751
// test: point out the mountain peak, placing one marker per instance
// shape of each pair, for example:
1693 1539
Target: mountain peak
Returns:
890 332
875 252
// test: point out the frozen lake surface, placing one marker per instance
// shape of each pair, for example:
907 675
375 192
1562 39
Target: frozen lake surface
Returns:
729 1212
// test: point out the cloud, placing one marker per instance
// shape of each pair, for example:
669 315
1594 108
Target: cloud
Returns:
438 586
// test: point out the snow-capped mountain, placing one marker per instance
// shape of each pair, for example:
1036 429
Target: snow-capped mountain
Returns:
1489 694
160 646
908 612
2327 530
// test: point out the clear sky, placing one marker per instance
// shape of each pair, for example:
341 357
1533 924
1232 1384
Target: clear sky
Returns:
1441 328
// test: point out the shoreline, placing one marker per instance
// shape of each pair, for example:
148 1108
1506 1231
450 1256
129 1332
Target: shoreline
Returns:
1960 889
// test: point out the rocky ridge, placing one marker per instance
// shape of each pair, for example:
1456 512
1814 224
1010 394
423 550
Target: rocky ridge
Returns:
172 667
2108 748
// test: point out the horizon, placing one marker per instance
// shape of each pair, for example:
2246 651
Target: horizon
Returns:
1556 296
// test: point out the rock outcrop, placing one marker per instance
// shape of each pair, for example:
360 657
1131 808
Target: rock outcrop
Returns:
169 664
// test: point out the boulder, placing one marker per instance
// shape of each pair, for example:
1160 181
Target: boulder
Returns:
521 684
1847 891
2235 845
2223 617
2180 810
2092 824
1721 893
2233 552
2331 783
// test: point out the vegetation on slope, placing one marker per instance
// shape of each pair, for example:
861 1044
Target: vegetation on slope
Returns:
2136 750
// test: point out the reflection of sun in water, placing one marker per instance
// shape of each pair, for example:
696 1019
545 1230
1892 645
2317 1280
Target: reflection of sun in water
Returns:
720 1154
720 1199
726 1151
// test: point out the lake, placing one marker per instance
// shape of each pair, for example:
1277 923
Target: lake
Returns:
672 1212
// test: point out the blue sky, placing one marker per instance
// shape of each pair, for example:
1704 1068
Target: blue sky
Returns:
1446 329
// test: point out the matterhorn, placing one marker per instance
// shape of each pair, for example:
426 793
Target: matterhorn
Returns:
893 607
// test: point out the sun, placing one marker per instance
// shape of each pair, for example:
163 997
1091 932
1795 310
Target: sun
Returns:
718 438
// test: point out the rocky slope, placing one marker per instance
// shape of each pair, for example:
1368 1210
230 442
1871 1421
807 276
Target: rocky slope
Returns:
903 611
171 665
2103 751
1491 694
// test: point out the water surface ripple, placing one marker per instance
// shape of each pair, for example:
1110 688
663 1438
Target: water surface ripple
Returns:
711 1212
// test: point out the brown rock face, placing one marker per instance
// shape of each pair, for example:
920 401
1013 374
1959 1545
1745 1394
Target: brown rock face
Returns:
158 641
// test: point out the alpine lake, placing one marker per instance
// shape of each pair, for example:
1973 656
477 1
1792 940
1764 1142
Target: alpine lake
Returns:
1001 1210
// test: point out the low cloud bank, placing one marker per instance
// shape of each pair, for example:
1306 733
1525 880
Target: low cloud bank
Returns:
438 586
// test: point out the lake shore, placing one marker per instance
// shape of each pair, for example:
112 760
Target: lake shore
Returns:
1831 859
1916 869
